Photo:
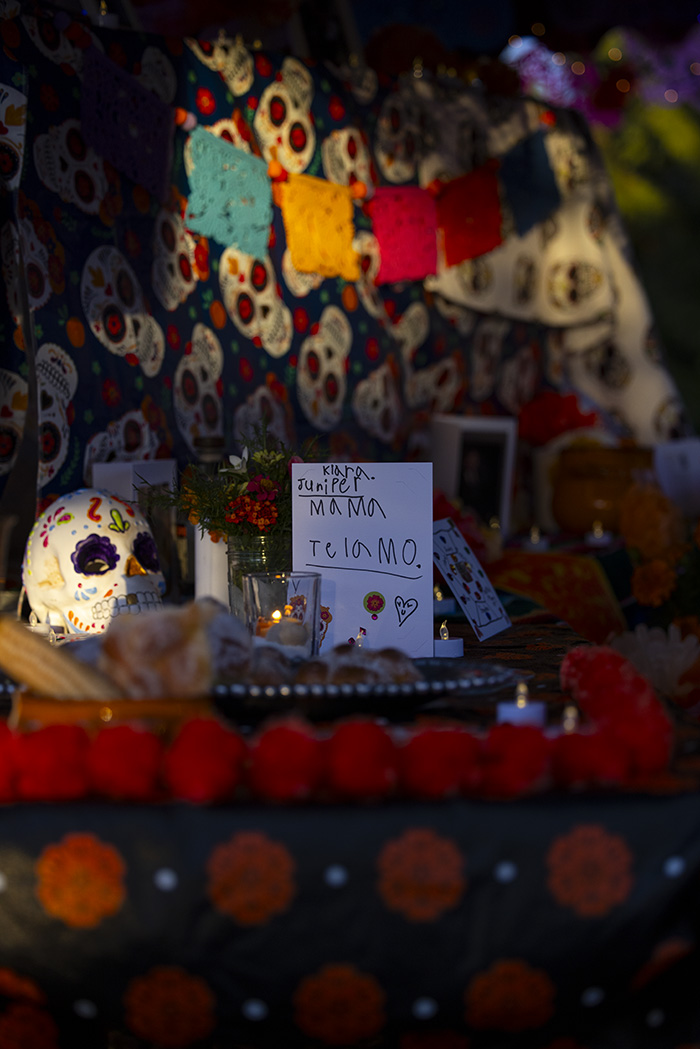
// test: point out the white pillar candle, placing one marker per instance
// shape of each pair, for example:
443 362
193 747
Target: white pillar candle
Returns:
522 710
452 647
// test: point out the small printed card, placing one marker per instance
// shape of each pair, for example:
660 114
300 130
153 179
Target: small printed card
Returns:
367 528
467 580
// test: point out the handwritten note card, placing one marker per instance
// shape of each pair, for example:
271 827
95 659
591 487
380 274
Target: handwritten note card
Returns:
368 529
461 570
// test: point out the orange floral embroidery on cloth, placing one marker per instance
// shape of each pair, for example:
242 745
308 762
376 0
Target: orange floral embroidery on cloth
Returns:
80 880
251 878
510 996
339 1005
13 985
27 1026
653 583
170 1007
421 875
319 224
589 870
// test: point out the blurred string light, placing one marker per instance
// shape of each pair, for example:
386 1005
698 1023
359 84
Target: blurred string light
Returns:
661 76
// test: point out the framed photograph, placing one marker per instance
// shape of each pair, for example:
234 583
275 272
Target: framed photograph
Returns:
473 460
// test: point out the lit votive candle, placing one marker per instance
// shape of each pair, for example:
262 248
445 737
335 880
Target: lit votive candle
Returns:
536 540
445 645
598 536
522 710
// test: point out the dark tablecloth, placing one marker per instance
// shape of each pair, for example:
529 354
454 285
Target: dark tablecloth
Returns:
552 922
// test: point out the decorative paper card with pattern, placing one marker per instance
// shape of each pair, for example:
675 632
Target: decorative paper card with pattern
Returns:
127 124
404 219
529 183
469 214
230 194
319 226
461 570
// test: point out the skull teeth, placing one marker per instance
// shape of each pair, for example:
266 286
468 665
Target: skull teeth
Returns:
126 604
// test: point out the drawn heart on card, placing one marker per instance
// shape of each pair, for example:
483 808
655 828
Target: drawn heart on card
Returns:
405 608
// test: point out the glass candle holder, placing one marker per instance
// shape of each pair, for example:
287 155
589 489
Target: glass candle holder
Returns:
283 609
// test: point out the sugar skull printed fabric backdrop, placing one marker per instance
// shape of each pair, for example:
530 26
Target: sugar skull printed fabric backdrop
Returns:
182 220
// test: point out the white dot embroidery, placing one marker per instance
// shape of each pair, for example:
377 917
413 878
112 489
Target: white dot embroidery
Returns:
165 879
655 1017
505 871
424 1008
674 866
85 1008
592 996
336 876
254 1009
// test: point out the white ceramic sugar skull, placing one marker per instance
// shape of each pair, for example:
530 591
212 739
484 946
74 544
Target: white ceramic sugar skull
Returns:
229 57
158 74
115 309
126 439
571 284
252 300
89 558
196 390
321 371
172 271
346 158
376 403
300 284
13 409
282 121
68 166
57 381
396 139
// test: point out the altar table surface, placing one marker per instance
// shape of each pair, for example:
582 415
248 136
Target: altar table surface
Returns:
557 921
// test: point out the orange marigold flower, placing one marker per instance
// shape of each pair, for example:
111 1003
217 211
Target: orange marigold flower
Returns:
510 996
251 878
421 874
653 583
169 1007
590 870
340 1005
651 523
80 880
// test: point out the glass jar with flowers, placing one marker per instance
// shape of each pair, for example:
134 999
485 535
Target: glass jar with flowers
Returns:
246 502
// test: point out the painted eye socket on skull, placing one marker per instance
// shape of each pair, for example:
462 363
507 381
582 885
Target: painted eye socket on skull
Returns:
146 552
94 555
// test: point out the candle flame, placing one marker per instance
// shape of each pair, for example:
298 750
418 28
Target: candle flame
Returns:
521 695
276 615
444 632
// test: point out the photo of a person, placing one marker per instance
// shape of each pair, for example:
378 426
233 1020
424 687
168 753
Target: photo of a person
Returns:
481 476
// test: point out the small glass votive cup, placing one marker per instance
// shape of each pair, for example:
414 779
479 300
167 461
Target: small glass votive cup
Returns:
283 609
